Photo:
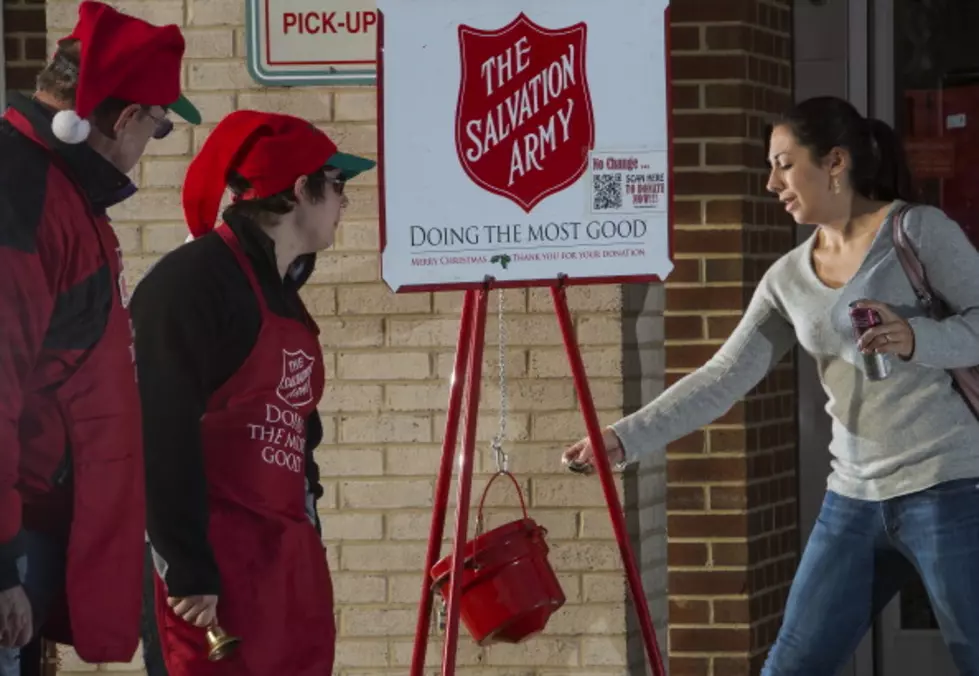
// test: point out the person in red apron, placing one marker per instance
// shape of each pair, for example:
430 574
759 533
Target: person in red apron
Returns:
231 372
71 460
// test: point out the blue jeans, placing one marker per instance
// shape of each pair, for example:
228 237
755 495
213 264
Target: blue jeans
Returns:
42 570
860 554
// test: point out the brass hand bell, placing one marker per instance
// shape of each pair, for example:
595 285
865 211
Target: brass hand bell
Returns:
219 643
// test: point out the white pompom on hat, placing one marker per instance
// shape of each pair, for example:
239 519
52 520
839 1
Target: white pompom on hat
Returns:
68 127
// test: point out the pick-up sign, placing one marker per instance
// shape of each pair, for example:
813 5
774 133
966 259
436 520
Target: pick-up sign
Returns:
312 42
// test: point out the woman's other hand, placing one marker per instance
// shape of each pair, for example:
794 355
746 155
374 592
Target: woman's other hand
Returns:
894 335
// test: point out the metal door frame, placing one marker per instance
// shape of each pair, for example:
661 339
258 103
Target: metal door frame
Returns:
814 423
926 645
3 72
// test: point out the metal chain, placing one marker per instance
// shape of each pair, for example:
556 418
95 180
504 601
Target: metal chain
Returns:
500 455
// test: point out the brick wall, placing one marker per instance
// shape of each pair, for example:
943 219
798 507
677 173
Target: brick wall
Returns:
732 487
388 362
23 42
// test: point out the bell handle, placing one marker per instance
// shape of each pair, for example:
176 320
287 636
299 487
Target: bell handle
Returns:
482 500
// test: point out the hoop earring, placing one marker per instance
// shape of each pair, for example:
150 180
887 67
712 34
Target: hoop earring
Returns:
836 186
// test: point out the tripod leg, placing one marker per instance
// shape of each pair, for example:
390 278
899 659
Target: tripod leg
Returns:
587 405
439 509
465 482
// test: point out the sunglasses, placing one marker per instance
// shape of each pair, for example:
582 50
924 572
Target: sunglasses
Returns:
163 126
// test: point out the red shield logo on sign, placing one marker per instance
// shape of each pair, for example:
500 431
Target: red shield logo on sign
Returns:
524 121
296 386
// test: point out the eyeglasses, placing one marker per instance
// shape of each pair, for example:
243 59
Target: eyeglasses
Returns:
163 126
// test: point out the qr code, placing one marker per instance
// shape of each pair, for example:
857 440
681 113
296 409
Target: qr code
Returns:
607 191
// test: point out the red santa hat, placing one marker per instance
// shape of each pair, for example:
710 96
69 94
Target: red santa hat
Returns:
271 151
126 58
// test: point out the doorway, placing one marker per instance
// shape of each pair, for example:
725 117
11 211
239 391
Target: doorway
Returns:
925 79
915 65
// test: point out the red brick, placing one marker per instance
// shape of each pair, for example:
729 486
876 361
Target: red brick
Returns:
24 19
729 211
689 611
724 269
732 612
721 327
686 271
708 582
706 241
687 11
35 49
726 441
689 666
712 183
734 666
695 470
692 298
709 67
686 498
690 444
687 155
21 78
688 212
707 525
11 49
728 497
729 553
699 125
733 95
681 327
685 38
734 37
686 553
740 153
688 356
685 96
695 639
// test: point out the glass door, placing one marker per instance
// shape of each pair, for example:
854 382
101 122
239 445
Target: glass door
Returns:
926 83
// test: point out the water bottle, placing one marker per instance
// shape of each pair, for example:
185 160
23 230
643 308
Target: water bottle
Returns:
877 366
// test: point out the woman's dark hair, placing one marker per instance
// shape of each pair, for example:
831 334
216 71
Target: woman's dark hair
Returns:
879 169
267 209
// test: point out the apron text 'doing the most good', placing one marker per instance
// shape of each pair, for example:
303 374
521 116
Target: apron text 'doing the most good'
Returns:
276 595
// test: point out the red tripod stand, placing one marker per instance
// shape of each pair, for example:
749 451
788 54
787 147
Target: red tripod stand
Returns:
467 371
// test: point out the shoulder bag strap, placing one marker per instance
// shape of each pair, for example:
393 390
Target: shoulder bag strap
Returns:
913 268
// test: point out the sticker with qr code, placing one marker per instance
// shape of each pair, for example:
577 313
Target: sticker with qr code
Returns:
628 182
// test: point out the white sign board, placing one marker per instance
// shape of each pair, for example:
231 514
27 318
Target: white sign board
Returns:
524 140
311 42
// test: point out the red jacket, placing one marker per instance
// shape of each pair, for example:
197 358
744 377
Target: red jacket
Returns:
70 438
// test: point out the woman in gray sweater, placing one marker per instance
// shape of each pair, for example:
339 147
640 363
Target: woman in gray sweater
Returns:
903 495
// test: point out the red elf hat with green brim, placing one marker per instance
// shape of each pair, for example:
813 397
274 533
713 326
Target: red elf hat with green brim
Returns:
269 150
125 58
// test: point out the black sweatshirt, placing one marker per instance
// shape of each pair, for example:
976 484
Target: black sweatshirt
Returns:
196 319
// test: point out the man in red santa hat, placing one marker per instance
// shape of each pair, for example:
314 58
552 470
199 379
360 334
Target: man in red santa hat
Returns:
72 505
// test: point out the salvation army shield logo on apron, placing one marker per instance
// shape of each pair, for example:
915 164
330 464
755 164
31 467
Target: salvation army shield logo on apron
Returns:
296 388
524 118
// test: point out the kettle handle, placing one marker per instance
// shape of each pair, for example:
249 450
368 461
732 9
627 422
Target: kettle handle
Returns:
482 500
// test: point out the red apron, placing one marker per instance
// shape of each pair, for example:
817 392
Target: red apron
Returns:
277 595
98 611
100 405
